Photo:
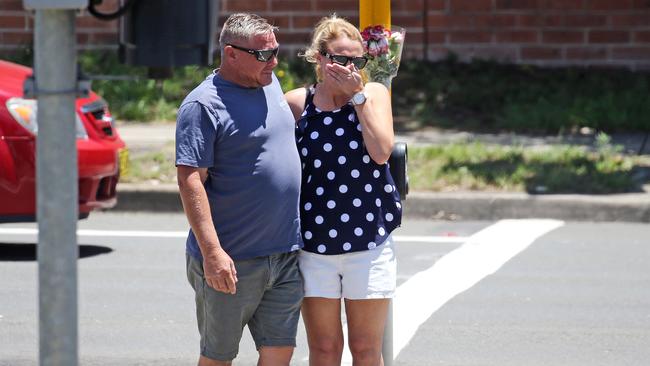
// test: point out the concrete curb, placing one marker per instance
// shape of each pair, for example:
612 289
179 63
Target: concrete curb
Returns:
630 207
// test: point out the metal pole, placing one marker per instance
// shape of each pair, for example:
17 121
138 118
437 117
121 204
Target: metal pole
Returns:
387 346
57 198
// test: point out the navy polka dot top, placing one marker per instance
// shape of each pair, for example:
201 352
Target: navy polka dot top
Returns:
348 203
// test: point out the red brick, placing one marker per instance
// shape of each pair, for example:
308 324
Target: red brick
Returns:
449 21
413 20
517 4
332 6
555 20
103 38
586 53
94 23
470 5
82 38
495 20
290 5
414 37
407 5
436 4
608 4
15 21
470 37
642 37
16 38
306 21
517 37
563 37
11 5
541 53
301 38
255 6
630 20
280 21
609 37
563 4
641 4
586 20
529 20
631 53
435 37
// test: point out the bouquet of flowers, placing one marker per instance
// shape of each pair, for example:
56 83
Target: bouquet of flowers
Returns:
383 48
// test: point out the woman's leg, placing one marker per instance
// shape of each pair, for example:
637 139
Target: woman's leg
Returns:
322 319
366 320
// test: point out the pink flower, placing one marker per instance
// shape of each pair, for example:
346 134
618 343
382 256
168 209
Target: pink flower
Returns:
373 49
383 46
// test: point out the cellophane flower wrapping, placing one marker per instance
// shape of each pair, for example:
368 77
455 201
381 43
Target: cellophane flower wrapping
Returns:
383 48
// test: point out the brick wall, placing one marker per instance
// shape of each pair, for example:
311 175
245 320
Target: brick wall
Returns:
614 33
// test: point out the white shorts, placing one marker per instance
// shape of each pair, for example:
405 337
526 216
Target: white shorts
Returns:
369 274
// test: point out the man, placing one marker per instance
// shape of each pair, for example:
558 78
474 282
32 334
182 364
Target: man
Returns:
239 179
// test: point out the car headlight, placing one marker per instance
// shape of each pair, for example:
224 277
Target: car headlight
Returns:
24 112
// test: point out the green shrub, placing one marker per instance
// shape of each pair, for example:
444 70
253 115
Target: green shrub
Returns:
488 95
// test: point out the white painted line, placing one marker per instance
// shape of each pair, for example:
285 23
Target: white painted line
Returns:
431 239
104 233
483 254
183 234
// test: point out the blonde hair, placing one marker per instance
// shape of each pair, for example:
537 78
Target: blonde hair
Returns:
327 30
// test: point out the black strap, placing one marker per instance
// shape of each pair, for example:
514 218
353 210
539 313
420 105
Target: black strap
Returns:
309 96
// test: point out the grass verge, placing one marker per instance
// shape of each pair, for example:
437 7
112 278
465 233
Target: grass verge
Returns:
476 167
557 169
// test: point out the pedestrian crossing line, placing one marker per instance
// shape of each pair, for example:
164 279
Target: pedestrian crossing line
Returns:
183 234
482 254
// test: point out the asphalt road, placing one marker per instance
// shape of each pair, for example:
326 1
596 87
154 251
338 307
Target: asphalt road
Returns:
514 292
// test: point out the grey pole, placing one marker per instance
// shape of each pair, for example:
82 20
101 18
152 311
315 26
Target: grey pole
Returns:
387 346
57 186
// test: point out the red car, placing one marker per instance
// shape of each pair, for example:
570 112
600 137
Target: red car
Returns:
100 150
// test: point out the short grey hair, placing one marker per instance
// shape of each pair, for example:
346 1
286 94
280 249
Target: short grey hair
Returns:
242 27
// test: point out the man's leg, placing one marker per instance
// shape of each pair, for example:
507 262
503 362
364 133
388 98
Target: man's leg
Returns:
275 322
204 361
275 356
221 317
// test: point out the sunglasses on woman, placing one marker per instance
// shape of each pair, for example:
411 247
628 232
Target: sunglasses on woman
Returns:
358 62
260 55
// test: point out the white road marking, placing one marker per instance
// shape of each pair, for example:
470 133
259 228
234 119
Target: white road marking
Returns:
483 254
183 234
431 239
108 233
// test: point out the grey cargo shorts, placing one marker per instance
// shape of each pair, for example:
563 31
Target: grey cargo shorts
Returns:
268 299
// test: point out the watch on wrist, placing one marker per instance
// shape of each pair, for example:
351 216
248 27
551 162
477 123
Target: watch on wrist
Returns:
358 98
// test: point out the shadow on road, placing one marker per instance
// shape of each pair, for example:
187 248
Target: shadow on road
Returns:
24 252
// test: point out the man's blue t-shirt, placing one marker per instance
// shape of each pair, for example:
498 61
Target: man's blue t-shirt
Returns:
245 137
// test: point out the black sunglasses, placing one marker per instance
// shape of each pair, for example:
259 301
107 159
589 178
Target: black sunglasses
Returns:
260 55
358 62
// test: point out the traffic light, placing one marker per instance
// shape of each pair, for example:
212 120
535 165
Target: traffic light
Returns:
161 34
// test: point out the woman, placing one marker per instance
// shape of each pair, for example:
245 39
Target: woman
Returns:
349 204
